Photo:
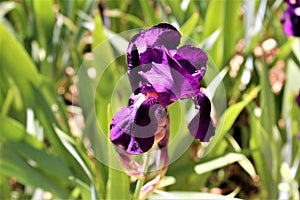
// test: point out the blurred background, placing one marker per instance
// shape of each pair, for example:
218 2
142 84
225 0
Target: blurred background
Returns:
43 44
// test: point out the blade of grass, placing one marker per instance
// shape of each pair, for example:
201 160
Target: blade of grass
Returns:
23 76
176 10
44 162
189 26
116 177
117 184
263 157
13 165
292 73
5 187
6 7
44 17
213 23
244 163
230 27
267 101
149 12
219 162
46 116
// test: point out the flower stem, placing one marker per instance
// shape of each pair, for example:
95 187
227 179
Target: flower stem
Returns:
141 180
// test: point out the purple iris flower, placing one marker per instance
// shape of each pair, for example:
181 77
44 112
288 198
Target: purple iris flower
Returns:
160 74
298 98
291 18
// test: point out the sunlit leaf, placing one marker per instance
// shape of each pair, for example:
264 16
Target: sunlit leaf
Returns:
44 17
13 131
219 162
22 70
117 185
189 26
13 165
168 180
149 12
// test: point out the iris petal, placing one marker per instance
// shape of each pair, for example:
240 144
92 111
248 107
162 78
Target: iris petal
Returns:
125 133
142 117
133 127
192 59
174 81
160 36
298 98
119 128
201 126
186 82
140 145
291 18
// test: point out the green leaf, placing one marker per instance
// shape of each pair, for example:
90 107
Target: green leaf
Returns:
212 24
117 185
219 162
98 33
22 70
175 118
5 188
30 149
149 12
246 164
267 101
44 17
6 7
292 74
117 41
167 180
263 157
68 143
106 76
116 178
9 126
45 162
13 165
47 118
230 24
209 42
13 131
176 10
216 82
227 22
189 26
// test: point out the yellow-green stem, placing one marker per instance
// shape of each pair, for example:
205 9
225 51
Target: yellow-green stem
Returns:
141 180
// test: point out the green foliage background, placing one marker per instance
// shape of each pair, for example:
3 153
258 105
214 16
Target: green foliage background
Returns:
40 39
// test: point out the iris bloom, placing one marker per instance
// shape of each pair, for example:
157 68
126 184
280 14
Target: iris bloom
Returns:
298 98
291 18
160 74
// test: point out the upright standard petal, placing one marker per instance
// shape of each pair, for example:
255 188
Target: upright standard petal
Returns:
160 36
178 71
201 126
192 59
